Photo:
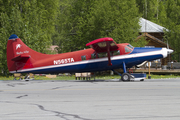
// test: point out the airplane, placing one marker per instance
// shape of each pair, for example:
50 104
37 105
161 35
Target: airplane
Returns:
104 54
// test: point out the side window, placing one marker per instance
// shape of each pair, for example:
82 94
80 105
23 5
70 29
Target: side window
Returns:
93 56
83 57
127 50
117 52
101 55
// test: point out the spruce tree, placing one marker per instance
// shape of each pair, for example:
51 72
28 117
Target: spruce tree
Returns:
89 20
33 21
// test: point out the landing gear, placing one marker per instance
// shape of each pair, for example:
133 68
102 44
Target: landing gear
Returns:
125 77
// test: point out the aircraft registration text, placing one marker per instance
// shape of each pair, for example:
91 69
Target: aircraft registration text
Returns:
63 61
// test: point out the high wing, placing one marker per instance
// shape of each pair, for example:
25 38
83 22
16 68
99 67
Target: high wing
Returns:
104 45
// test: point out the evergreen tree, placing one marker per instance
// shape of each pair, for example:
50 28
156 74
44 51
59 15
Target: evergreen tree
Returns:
11 23
173 26
33 21
151 9
89 20
165 13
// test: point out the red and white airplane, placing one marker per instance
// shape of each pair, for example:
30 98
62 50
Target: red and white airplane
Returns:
104 54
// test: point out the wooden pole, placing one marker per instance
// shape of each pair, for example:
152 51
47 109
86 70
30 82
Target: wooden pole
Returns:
149 77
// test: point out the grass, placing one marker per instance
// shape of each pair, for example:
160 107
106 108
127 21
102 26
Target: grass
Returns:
103 77
164 76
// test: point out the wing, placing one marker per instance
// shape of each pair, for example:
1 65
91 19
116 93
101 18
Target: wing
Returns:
104 45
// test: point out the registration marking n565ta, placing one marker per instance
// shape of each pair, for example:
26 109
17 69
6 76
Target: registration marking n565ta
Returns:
63 61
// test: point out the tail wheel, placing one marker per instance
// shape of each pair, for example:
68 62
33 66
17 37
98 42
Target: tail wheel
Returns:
125 77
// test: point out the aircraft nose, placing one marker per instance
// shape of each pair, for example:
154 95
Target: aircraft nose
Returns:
166 51
169 51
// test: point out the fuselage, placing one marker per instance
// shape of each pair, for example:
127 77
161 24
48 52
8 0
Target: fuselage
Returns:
89 60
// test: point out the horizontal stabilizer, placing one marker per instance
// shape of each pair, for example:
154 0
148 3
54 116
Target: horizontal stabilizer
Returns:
21 57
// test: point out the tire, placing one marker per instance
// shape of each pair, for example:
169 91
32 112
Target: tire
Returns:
125 77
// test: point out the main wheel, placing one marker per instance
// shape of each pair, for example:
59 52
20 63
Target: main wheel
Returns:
125 77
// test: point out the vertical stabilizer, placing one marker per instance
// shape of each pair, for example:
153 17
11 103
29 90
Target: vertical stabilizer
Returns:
18 54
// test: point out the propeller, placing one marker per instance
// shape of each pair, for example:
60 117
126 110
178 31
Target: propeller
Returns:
169 51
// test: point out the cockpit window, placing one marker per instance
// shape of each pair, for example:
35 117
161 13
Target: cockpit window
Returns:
93 56
127 49
130 46
105 54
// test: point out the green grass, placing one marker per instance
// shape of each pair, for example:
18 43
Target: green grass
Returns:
164 76
103 77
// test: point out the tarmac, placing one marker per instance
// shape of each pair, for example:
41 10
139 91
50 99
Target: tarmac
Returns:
90 100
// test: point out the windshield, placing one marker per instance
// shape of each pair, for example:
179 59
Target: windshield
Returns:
130 46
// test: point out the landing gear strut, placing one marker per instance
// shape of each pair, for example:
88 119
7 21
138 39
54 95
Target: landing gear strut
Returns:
125 76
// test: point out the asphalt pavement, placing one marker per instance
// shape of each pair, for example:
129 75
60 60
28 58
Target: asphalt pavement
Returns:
90 100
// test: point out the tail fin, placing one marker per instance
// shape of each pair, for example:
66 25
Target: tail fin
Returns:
18 55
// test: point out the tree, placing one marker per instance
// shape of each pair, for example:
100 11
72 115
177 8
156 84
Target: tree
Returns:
165 13
33 21
173 26
62 26
10 22
153 10
90 19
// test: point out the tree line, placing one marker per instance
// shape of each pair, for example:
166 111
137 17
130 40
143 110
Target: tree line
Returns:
71 24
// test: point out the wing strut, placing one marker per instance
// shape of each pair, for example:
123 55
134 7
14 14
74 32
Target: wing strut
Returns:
108 51
98 46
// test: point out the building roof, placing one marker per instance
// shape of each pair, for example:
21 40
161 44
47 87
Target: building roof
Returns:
154 39
148 26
